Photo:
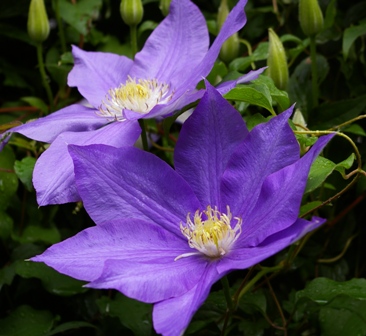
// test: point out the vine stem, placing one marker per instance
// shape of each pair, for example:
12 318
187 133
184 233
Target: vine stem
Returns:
143 135
133 35
61 33
226 288
314 71
44 75
254 280
358 171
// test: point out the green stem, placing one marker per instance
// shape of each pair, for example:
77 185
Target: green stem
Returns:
251 283
133 34
44 75
358 170
60 26
143 135
314 72
226 288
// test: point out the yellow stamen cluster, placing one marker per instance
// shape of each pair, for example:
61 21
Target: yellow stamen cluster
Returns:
139 96
212 236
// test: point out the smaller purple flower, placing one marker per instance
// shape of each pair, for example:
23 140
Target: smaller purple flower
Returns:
159 81
164 236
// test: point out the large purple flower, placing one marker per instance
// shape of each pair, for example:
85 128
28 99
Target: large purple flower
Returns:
162 79
164 236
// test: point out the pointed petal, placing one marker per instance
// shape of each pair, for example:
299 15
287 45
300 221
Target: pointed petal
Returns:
74 118
151 276
53 175
94 73
206 142
132 183
279 201
171 317
84 255
174 105
234 22
245 257
178 43
268 148
225 87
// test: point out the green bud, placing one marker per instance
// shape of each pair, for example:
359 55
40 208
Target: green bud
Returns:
230 48
300 123
132 12
38 25
311 17
277 64
164 6
299 120
222 13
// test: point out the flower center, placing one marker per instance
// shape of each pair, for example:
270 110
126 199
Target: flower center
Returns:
138 96
213 236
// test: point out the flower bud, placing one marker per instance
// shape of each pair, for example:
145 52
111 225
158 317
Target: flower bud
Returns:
277 64
230 48
38 25
164 6
132 12
300 124
299 120
311 17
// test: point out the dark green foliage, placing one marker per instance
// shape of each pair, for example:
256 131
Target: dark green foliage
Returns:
320 289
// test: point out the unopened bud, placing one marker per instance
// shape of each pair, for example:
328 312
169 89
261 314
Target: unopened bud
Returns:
277 64
300 124
230 48
299 120
38 25
311 17
164 6
132 12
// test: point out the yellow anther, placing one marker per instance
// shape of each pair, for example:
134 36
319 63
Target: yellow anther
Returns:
139 96
213 236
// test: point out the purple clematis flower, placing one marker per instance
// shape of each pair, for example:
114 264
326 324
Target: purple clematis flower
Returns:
164 236
162 79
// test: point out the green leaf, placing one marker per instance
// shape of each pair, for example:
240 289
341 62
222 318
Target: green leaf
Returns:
322 290
349 37
343 316
330 14
36 102
8 179
345 164
26 321
6 225
7 274
355 129
24 170
78 14
254 301
322 168
281 97
146 26
52 281
58 70
331 114
69 326
308 207
242 63
33 233
133 314
252 95
255 120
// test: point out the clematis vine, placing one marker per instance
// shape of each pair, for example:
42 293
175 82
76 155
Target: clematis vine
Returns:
160 80
165 235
